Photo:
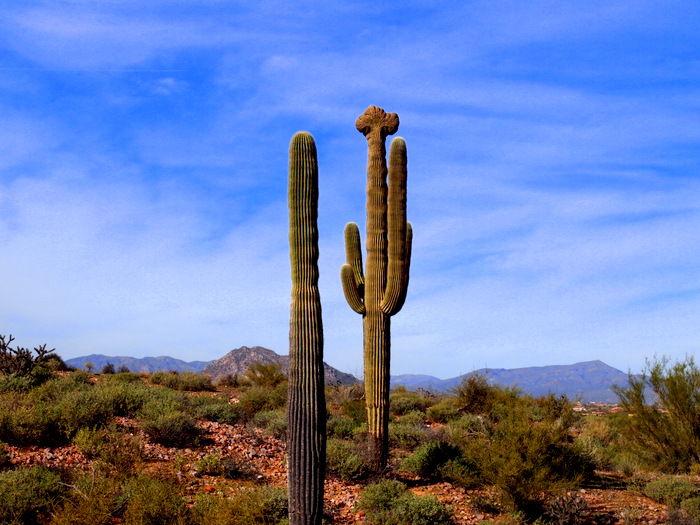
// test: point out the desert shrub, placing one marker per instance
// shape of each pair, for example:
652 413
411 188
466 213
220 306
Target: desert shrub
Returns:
668 440
109 369
273 421
527 461
92 503
112 449
219 411
14 383
186 381
403 401
466 428
346 460
26 494
414 417
407 436
121 377
347 401
692 507
671 490
341 427
227 467
154 501
258 399
122 397
567 509
264 505
172 429
265 375
389 502
429 457
166 421
474 394
229 380
439 460
41 418
444 411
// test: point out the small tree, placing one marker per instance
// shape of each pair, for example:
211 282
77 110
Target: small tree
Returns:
666 434
89 366
266 375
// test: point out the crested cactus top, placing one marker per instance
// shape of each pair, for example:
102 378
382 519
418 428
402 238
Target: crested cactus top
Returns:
376 121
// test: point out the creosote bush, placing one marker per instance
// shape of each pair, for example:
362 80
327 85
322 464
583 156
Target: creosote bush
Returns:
667 439
389 502
347 460
28 494
188 381
671 490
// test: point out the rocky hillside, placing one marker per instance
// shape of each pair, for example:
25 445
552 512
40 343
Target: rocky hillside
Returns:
238 360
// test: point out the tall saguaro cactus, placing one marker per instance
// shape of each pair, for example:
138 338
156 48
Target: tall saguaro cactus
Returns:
381 292
306 412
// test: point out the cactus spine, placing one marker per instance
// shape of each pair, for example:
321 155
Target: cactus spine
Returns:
306 412
381 292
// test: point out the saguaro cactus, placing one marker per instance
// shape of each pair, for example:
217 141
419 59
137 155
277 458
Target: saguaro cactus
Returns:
306 412
382 291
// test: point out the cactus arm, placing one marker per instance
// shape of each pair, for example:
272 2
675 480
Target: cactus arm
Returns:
404 287
350 288
397 226
353 255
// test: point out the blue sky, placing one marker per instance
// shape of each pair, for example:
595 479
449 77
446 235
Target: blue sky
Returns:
554 175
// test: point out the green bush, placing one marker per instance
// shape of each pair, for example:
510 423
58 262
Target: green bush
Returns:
671 490
444 411
93 502
403 401
186 381
154 501
114 449
389 502
264 505
258 399
527 461
341 427
15 383
465 429
219 410
407 436
266 375
273 421
427 460
172 429
692 507
668 440
227 467
474 394
346 460
27 494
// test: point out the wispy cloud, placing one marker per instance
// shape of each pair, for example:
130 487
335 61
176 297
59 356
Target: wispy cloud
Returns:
552 173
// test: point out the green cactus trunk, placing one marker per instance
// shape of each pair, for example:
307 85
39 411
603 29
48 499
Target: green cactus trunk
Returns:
306 410
381 292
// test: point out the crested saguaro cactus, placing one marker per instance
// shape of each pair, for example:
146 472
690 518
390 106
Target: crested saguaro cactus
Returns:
381 291
306 412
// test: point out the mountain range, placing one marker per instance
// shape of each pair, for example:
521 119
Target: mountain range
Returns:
586 381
